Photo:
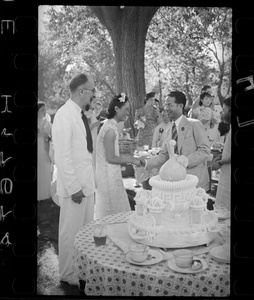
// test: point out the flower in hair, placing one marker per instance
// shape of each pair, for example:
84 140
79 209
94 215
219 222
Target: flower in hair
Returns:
122 98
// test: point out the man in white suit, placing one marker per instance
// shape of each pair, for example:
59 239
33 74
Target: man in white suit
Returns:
75 177
192 141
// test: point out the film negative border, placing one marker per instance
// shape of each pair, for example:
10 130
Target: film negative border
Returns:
242 152
18 149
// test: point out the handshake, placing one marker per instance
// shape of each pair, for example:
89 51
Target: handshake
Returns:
139 162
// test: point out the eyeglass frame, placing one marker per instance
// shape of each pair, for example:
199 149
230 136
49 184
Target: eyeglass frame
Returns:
93 90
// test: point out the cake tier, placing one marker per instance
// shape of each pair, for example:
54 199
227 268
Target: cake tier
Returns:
143 229
189 182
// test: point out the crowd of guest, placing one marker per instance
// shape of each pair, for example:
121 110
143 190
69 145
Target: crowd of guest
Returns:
83 145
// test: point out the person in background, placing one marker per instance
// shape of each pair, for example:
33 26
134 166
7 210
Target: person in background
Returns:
158 110
97 108
223 129
192 141
160 131
43 162
195 104
223 163
75 185
111 196
204 112
146 119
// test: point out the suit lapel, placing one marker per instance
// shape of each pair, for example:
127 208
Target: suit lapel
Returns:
181 133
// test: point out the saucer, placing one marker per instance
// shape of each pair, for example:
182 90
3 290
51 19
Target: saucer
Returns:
220 254
156 257
172 265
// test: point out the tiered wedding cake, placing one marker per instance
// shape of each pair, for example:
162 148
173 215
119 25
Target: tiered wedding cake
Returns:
174 213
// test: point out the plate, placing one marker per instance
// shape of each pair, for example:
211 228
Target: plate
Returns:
172 265
219 254
156 257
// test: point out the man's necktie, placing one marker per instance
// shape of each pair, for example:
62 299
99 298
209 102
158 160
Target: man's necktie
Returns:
88 133
175 136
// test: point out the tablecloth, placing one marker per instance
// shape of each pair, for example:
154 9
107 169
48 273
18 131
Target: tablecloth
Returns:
107 273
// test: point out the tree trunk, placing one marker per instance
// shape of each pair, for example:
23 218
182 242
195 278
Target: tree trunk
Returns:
128 27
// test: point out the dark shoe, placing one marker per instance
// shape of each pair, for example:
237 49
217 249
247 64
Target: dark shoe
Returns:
73 281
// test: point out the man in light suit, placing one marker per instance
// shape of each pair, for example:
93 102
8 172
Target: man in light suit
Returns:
192 141
75 177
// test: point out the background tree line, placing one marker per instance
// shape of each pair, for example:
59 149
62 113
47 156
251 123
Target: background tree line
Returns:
185 48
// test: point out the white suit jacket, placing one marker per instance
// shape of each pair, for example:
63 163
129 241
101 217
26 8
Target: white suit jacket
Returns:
73 161
192 143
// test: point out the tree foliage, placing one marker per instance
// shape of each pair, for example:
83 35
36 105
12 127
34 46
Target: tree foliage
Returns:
193 48
186 48
74 41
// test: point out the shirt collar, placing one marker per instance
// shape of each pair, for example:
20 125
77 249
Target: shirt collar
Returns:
177 122
76 106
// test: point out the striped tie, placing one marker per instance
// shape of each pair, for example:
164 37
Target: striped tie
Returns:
175 136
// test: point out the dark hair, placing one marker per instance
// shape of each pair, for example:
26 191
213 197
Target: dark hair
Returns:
40 104
149 95
179 97
77 81
223 128
113 103
205 88
227 102
202 96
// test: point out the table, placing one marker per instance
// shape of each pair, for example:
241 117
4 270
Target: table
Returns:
106 272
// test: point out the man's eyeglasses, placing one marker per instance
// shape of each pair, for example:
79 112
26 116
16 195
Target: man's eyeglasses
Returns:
93 90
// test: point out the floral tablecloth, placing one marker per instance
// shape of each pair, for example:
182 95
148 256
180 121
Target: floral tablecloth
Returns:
107 273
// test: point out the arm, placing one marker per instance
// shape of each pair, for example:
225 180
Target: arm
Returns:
155 137
95 124
109 145
159 160
201 141
217 164
62 140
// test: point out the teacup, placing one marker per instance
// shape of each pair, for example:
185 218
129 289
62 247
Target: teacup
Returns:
139 252
183 257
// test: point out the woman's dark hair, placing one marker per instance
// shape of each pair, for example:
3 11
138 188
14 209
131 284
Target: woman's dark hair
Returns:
205 88
202 96
223 128
227 102
113 103
40 104
149 95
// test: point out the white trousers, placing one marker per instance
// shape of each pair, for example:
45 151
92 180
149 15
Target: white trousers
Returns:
73 216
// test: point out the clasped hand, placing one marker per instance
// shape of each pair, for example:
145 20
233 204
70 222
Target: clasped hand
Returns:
77 197
139 162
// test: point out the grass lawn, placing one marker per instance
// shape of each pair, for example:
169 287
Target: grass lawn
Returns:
47 255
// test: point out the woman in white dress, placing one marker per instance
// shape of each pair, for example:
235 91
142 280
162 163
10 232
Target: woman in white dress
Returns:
111 196
44 163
